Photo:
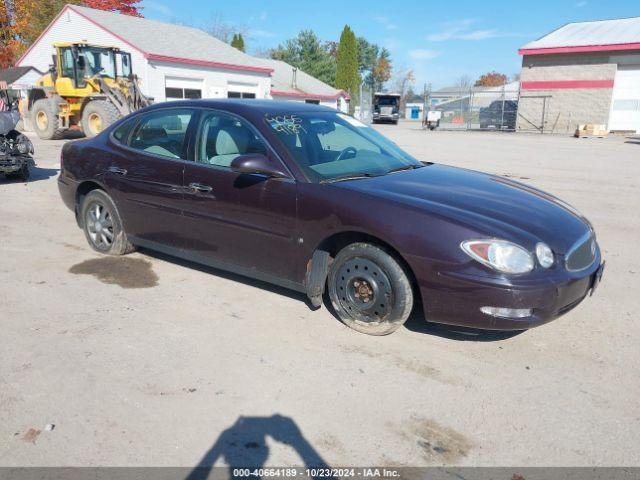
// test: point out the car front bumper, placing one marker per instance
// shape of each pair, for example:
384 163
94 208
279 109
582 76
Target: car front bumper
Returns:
456 297
13 163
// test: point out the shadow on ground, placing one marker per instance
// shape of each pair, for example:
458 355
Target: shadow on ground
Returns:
229 276
415 323
244 445
36 175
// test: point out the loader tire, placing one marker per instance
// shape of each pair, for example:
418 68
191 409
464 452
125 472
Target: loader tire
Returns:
98 115
45 120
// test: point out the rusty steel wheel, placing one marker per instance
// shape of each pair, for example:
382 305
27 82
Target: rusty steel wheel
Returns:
369 289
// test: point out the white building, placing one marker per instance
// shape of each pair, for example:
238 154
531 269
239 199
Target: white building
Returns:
19 79
175 62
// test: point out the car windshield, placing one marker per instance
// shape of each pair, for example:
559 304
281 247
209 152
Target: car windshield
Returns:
332 146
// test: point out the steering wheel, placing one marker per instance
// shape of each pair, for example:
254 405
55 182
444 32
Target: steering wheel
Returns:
343 153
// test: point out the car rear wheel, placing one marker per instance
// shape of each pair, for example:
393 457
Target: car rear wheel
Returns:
103 226
369 289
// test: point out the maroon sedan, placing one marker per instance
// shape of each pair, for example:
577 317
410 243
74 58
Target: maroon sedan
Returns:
311 199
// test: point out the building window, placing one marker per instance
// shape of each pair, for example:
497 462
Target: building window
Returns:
312 101
173 93
231 94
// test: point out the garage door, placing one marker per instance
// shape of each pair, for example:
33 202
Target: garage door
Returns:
625 109
181 88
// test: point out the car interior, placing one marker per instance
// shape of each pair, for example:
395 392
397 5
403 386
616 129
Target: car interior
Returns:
162 135
225 138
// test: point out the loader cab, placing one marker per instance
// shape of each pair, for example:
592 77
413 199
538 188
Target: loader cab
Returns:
78 64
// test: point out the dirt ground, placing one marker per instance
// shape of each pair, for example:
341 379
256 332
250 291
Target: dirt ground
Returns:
147 360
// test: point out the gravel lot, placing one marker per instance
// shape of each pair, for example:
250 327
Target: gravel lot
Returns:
148 360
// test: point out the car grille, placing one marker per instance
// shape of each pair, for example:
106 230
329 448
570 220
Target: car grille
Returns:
582 254
386 110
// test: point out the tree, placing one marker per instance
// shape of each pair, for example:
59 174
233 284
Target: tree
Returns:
381 72
6 36
126 7
238 42
22 21
491 79
403 84
347 76
374 64
307 53
222 30
464 82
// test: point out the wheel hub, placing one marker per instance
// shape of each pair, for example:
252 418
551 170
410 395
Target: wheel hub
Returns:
362 290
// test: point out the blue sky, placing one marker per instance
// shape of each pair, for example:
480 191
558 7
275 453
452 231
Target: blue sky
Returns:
440 40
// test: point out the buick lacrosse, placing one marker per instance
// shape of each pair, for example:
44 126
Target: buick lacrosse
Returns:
311 199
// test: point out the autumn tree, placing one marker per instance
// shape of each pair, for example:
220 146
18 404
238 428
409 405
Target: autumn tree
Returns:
126 7
491 79
6 36
403 83
22 21
374 64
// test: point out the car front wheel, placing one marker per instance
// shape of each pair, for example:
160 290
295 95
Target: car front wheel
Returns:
102 224
369 289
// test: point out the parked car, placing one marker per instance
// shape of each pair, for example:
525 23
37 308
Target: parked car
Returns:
309 198
500 115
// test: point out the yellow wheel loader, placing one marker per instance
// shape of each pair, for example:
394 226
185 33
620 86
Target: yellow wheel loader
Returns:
88 88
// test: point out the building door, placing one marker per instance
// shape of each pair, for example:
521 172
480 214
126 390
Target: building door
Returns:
625 107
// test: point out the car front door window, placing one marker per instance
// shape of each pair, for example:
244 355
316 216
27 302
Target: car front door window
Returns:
223 138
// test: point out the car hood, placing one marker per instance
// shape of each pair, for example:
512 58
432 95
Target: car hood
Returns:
492 205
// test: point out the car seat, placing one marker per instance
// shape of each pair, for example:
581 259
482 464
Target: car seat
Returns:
231 142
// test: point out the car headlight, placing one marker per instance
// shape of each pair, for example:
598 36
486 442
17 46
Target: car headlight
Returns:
544 254
24 145
500 255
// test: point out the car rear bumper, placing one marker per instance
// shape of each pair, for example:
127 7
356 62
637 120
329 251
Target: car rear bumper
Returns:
456 298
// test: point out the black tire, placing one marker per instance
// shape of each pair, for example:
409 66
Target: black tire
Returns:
109 237
23 174
45 120
369 289
102 111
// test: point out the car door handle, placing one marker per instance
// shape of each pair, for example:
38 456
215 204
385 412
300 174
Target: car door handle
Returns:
198 187
118 170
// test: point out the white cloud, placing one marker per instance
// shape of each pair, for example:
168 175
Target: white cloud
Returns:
461 30
423 54
258 33
385 22
157 7
263 16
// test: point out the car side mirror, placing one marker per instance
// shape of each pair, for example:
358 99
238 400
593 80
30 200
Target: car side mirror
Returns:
258 164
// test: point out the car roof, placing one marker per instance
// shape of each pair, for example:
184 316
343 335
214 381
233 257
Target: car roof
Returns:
247 106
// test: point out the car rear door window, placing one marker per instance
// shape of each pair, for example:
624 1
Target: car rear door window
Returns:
224 137
163 133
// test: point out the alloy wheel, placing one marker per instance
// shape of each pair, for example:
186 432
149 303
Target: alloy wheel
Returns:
99 225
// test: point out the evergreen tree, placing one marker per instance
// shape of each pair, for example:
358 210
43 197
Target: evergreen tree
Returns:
238 42
347 75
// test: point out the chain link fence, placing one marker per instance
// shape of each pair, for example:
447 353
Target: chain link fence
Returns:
476 108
